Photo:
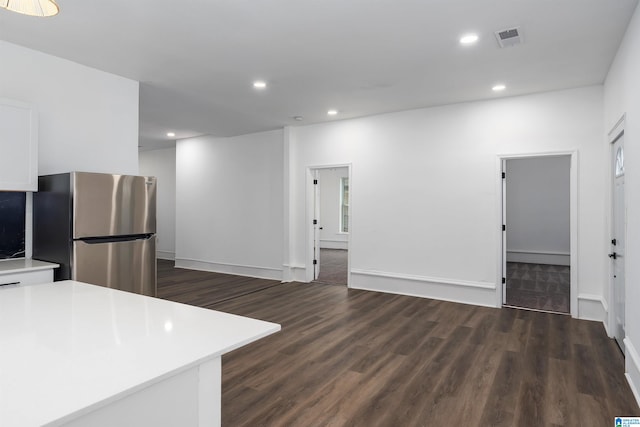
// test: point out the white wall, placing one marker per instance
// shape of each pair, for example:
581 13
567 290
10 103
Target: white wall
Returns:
229 204
622 88
425 191
329 181
538 210
162 165
88 119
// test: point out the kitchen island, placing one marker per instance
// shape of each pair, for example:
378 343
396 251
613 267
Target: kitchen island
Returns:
75 354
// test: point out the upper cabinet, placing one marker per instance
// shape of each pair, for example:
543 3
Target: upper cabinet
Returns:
18 146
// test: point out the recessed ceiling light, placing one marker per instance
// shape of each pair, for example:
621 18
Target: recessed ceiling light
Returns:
298 118
171 134
468 39
498 88
332 112
259 84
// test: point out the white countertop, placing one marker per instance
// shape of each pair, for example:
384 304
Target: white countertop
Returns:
22 265
68 347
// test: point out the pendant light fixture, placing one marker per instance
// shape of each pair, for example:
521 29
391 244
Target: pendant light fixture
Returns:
31 7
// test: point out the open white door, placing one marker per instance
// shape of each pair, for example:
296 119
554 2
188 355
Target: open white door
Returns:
504 233
316 225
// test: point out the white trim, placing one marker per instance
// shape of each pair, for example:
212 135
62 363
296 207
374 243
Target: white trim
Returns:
524 251
617 129
573 220
287 207
605 321
605 306
632 368
461 291
334 244
293 273
539 257
165 255
227 268
482 285
591 307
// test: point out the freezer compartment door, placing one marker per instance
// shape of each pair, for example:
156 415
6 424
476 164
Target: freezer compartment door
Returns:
126 265
113 205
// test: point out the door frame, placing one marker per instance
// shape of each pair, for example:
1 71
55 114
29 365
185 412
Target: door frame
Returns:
573 223
310 195
616 131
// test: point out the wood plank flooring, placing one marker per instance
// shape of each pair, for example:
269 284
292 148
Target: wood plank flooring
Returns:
333 267
357 358
203 288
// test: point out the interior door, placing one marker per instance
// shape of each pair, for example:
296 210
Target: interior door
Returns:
617 254
504 233
316 225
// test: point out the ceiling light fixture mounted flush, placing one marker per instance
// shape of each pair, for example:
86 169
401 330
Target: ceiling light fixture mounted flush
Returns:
498 88
468 39
31 7
260 84
332 112
171 134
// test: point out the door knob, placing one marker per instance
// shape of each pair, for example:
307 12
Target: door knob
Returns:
614 242
613 255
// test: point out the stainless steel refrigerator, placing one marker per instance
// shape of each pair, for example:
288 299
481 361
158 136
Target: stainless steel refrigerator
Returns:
99 227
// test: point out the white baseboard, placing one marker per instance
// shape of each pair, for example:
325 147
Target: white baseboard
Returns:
592 307
240 270
539 257
293 273
333 244
632 368
605 321
166 255
462 291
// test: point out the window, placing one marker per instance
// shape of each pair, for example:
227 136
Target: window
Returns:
619 162
344 205
12 224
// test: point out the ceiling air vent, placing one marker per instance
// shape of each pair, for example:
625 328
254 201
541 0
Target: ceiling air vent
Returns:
509 37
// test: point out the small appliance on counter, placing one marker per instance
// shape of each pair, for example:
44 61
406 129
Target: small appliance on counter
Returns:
99 227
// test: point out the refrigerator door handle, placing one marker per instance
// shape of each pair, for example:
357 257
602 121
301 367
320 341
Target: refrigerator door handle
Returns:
112 239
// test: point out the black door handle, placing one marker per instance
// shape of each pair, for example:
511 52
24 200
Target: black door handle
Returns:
614 242
613 255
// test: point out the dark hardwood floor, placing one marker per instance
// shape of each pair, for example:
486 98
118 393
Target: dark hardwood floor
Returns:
333 267
356 358
203 288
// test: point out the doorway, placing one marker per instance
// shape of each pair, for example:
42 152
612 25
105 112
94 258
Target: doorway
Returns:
537 261
618 232
331 224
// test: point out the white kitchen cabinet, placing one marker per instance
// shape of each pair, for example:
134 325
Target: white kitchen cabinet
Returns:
18 146
21 271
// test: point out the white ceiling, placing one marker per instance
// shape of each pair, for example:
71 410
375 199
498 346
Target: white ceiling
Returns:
196 59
